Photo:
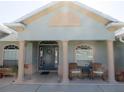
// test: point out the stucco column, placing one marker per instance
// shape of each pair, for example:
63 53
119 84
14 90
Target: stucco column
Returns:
65 61
60 65
21 61
111 70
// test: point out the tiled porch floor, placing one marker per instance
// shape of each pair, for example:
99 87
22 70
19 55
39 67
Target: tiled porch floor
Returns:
40 78
5 81
81 81
51 78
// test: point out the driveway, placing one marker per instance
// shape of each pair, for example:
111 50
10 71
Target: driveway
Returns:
62 88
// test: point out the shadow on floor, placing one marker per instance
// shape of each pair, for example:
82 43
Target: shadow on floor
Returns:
51 77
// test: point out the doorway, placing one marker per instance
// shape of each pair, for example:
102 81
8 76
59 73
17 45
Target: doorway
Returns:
48 56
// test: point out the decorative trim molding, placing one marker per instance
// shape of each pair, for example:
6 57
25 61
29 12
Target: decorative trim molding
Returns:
74 50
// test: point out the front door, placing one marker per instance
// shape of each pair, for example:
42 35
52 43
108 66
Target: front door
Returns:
48 58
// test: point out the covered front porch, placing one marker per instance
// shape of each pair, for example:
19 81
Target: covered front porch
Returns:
102 53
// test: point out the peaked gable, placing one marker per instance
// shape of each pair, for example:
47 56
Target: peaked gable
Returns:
28 19
65 21
58 25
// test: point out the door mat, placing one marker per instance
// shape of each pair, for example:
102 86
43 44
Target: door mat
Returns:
45 73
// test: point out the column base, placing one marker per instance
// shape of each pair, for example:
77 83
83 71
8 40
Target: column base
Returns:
112 81
18 81
65 81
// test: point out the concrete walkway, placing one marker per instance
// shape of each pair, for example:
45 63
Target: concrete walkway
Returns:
8 85
56 87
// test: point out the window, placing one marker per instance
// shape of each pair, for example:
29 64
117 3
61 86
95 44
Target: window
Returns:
84 54
11 52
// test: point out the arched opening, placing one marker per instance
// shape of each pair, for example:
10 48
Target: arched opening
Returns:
10 61
10 58
84 55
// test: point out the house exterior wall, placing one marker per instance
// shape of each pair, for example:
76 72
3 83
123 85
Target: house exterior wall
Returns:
99 47
99 51
89 29
29 47
119 55
28 58
35 57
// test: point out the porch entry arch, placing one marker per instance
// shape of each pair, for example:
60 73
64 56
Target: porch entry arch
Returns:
10 55
48 56
84 54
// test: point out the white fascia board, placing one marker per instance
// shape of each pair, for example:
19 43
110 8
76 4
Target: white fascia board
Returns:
9 33
11 25
119 32
119 24
5 29
15 24
11 37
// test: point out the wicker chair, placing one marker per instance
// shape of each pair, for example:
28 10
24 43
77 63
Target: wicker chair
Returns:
74 71
7 72
98 70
